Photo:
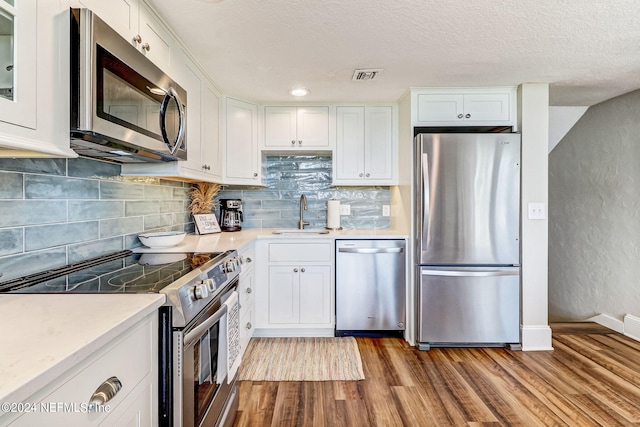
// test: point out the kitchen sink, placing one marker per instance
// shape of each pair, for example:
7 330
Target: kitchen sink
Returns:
299 231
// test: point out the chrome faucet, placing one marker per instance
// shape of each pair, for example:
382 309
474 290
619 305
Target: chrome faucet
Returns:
303 207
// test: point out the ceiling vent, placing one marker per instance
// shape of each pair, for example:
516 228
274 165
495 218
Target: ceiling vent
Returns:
366 74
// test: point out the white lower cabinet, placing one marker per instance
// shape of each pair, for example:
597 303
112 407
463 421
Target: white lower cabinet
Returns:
294 289
246 292
130 360
299 294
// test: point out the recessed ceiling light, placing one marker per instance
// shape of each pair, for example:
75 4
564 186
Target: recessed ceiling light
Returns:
299 92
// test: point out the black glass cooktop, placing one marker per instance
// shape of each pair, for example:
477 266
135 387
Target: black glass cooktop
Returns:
123 272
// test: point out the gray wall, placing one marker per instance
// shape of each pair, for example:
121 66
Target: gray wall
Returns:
57 211
288 177
594 214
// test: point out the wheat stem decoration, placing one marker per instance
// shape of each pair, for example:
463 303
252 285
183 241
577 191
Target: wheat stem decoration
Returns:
202 194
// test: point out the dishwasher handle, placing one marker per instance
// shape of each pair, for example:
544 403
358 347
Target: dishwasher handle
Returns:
371 250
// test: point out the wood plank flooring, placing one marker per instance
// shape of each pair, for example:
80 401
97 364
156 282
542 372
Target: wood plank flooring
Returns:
592 378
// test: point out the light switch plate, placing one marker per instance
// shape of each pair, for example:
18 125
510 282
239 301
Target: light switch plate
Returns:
345 209
386 210
537 211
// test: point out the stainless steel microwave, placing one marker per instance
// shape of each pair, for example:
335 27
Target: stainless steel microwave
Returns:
124 109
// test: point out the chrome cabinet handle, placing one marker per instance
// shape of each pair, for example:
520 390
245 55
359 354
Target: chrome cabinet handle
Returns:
255 175
293 142
368 175
467 116
137 38
146 47
302 270
300 142
360 175
459 116
248 325
249 290
249 260
295 270
105 392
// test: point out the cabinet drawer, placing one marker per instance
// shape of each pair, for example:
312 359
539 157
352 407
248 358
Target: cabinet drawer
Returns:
300 252
130 361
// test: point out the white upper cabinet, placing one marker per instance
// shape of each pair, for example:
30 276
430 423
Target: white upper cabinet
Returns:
137 24
34 78
366 149
296 128
241 153
464 107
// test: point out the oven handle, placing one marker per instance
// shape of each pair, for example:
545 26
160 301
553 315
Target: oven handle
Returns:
199 330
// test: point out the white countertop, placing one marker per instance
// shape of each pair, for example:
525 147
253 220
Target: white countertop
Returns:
224 241
43 336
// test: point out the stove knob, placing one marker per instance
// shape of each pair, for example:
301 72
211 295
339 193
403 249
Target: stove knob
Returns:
200 291
210 283
229 267
240 259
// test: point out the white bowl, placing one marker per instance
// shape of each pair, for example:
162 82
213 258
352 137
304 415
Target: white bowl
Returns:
163 239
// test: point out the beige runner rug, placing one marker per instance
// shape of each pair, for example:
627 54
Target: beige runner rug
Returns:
302 359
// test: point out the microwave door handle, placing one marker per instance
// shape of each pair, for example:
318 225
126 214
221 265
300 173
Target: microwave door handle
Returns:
169 95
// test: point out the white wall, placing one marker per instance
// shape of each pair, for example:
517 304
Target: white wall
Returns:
533 120
561 120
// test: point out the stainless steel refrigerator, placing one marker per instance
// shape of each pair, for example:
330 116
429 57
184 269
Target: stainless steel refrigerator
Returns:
468 242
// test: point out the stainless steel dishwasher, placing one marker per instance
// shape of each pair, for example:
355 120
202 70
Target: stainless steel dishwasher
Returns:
370 286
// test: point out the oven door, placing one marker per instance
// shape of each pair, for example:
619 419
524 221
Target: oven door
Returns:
202 395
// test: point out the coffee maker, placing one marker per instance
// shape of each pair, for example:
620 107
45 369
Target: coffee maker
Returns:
230 214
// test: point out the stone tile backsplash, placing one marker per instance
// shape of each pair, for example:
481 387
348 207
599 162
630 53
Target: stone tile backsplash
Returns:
58 211
287 178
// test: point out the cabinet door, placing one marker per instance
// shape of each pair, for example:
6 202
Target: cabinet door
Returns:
210 147
378 136
440 108
484 107
350 143
284 294
313 127
191 80
155 40
18 63
315 294
280 127
241 145
121 15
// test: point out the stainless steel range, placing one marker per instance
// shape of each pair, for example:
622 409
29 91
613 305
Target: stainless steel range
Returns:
199 334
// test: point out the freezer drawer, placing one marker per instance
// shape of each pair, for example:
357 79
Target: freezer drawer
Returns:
370 285
469 306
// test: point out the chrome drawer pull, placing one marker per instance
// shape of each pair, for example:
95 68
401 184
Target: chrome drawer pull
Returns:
105 392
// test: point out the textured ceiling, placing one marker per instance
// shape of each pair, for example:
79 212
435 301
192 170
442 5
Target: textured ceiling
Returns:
588 50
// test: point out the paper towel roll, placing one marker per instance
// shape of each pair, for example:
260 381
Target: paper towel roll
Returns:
333 214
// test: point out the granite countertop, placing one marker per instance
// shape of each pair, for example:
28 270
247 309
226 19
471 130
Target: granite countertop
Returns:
46 335
224 241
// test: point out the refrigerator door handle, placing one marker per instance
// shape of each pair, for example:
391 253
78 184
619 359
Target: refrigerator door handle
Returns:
468 273
425 200
371 250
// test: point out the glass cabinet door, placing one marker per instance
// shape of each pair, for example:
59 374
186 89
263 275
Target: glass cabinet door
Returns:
18 31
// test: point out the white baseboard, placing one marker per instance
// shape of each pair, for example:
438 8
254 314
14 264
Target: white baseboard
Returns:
536 338
632 327
291 332
608 322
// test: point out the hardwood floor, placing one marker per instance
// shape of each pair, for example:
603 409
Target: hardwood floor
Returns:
592 378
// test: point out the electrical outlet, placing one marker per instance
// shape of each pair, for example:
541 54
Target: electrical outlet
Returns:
386 210
536 211
345 209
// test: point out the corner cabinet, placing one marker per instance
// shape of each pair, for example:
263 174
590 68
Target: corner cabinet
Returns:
464 107
366 146
34 79
295 289
242 156
296 128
